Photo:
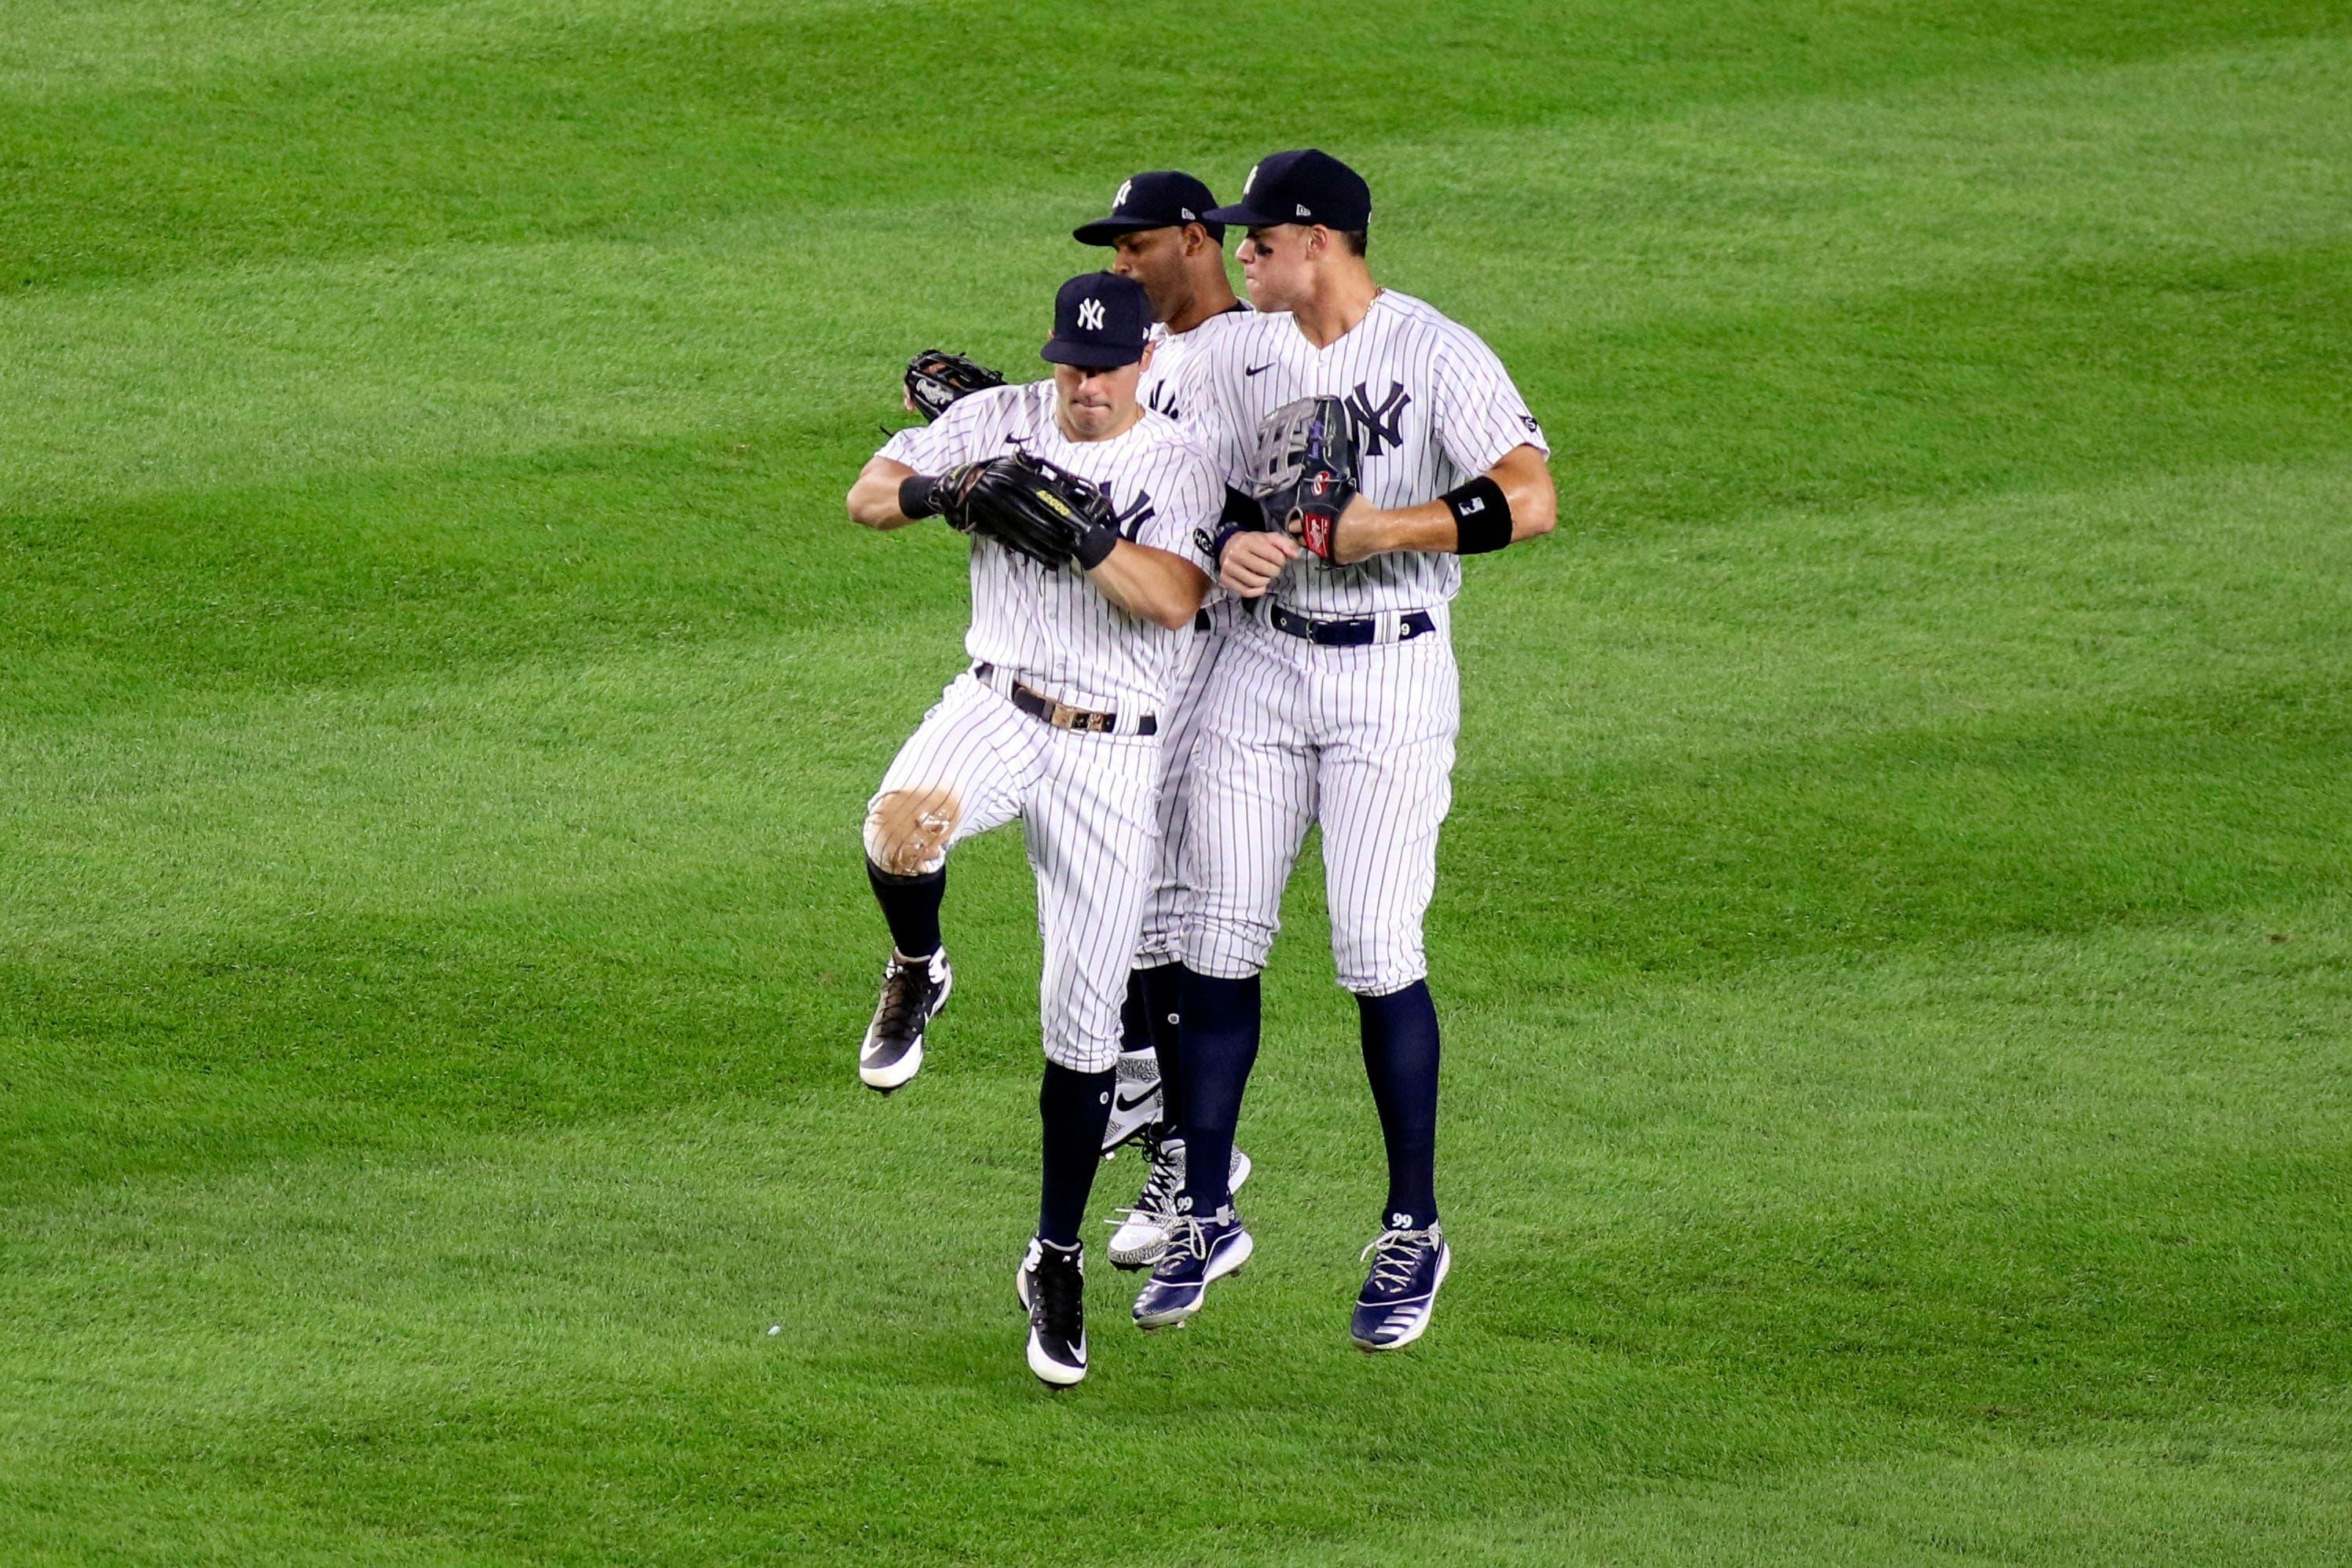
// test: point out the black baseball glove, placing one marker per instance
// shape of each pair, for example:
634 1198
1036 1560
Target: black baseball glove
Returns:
936 378
1304 472
1047 513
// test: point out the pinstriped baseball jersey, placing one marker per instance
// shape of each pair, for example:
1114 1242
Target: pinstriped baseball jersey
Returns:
1048 626
1430 406
1173 355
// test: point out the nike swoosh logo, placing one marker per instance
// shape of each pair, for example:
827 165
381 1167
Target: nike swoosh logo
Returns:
1256 368
1127 1104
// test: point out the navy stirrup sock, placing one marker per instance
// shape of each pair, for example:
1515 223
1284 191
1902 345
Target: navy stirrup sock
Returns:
1219 1032
1075 1108
1160 999
911 905
1401 1058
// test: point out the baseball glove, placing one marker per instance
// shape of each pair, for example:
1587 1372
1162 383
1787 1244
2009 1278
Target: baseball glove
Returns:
1304 472
936 378
1045 512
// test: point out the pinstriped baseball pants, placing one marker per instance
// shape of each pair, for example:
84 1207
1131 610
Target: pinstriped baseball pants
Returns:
1180 742
1086 804
1358 739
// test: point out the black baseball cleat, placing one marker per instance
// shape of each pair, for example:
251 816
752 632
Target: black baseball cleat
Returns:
913 991
1052 1286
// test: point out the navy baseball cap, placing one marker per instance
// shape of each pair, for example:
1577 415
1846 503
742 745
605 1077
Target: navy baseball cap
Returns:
1162 198
1305 186
1100 323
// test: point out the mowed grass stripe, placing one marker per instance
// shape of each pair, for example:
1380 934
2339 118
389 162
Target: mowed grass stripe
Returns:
586 130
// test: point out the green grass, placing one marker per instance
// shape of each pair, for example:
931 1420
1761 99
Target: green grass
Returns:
1894 935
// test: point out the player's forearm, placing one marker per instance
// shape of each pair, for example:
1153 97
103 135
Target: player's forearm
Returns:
1523 478
874 499
1151 583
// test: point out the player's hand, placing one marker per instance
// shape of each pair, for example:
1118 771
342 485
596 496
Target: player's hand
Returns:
1354 536
906 400
1252 561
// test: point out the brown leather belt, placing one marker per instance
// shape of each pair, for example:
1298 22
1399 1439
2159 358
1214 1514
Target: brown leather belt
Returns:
1061 715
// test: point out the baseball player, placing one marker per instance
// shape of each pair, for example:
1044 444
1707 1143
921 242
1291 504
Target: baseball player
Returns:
1086 575
1336 700
1157 236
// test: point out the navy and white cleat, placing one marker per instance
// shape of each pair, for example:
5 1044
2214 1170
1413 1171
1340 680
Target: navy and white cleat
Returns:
1140 1234
1135 1098
1408 1265
1052 1286
913 991
1199 1252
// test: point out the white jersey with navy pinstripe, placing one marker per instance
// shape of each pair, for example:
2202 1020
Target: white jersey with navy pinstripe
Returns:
1432 408
1050 627
1173 358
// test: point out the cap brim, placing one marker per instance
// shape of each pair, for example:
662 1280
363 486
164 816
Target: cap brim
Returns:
1244 218
1103 230
1087 356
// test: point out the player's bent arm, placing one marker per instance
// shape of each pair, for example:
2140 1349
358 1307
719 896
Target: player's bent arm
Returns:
1151 582
1461 520
874 499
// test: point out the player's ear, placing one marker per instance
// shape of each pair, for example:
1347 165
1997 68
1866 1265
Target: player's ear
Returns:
1145 362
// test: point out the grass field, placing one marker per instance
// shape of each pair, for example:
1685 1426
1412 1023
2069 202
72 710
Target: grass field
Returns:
1894 935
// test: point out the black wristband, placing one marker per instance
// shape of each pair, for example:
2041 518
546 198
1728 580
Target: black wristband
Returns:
1095 545
1482 516
918 497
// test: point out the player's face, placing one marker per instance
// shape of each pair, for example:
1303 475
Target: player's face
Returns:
1274 265
1155 259
1097 403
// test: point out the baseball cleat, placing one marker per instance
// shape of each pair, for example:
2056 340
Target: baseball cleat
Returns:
1134 1098
1408 1265
1052 1285
1140 1234
913 991
1198 1252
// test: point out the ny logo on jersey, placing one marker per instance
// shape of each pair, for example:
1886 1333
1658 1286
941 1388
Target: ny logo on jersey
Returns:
1090 315
1163 398
1138 511
1381 427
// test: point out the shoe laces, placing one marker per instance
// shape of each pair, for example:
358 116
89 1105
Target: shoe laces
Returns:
1185 1238
1059 1284
1167 1178
1393 1254
906 986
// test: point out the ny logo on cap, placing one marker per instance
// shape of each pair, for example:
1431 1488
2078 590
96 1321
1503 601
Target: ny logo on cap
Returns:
1090 315
1119 200
1251 180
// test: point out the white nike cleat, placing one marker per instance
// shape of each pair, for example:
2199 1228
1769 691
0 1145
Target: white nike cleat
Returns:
1134 1098
1140 1234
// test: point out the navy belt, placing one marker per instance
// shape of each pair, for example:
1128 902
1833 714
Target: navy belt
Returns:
1390 626
1060 715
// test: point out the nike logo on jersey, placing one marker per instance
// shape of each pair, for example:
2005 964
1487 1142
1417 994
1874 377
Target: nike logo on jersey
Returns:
1256 368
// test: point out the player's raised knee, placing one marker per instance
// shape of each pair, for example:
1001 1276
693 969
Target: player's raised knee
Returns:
908 830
